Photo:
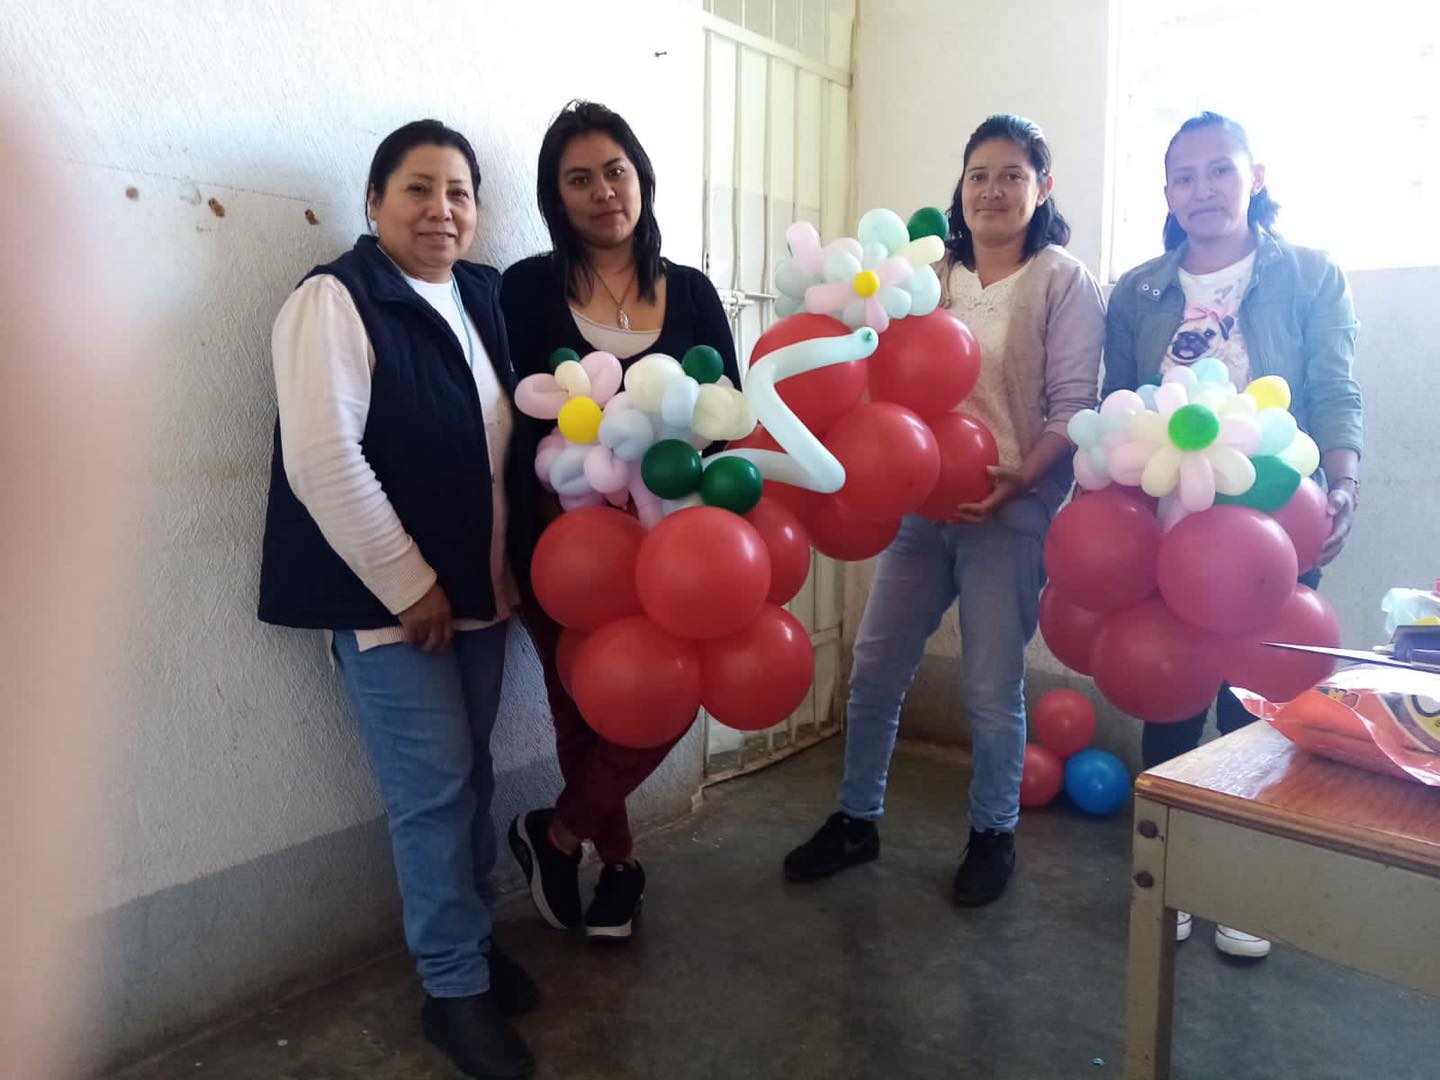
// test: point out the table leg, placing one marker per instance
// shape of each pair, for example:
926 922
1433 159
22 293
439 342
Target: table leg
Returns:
1151 981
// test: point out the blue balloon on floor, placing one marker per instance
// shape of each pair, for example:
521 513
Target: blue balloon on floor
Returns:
1097 781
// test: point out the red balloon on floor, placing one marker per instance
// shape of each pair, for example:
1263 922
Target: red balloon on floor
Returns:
927 363
788 543
1064 721
1279 674
837 531
584 567
1041 776
1306 519
567 647
891 460
967 450
820 397
756 678
1150 664
636 684
703 572
1228 570
1068 629
1101 551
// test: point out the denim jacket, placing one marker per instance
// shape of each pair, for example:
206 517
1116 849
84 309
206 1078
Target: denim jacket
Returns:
1297 317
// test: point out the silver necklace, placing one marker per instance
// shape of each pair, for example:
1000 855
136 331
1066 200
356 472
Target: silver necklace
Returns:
621 319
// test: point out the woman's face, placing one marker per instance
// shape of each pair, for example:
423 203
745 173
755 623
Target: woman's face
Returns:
425 217
600 190
1208 183
999 192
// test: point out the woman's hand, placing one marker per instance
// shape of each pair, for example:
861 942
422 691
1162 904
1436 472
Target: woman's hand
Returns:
428 622
1009 484
1340 504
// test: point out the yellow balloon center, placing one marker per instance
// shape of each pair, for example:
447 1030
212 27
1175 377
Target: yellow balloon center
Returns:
866 283
1270 392
579 420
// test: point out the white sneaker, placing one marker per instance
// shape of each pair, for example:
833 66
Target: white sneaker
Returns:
1182 925
1234 942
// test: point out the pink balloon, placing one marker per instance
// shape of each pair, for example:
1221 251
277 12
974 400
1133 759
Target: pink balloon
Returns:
605 375
1279 674
540 396
1307 520
606 472
1150 664
1101 551
1228 570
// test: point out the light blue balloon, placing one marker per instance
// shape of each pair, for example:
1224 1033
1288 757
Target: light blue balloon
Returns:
1147 395
1099 458
628 432
1211 370
874 255
883 227
896 302
1114 423
841 266
1277 431
924 287
1084 427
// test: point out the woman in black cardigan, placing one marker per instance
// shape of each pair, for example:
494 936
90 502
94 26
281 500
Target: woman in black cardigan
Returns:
604 286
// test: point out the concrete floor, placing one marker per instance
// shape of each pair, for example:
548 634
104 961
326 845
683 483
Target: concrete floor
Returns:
874 974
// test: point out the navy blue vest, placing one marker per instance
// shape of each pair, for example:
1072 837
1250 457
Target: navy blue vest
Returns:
425 439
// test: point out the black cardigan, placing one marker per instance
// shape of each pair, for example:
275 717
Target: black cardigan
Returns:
539 321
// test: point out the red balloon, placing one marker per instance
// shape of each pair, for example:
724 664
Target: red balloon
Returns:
754 679
567 646
837 531
703 572
1041 777
1279 674
637 685
967 450
1064 722
1068 629
891 460
818 398
1306 519
1101 551
789 545
927 363
1150 664
584 567
1228 570
800 501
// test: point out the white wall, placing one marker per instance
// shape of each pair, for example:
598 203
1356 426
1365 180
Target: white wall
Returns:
1051 63
230 739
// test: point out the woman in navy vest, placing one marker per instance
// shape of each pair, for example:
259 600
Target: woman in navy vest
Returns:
603 286
397 512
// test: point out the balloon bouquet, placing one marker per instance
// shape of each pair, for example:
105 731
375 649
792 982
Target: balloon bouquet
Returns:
1180 558
669 568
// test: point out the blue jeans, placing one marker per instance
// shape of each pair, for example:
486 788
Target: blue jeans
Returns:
425 720
996 571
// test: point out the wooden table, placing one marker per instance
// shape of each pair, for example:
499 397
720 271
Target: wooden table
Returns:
1253 832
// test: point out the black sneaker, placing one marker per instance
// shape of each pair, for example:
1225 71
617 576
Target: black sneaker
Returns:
618 896
842 841
474 1035
985 867
554 877
515 992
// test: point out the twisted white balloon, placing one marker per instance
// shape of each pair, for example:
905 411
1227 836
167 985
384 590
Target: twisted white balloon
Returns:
806 462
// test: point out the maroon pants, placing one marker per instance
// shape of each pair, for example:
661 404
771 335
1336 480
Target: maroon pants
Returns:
598 774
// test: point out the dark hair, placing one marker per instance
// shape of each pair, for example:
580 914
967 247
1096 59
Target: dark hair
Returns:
401 141
1048 226
568 254
1263 209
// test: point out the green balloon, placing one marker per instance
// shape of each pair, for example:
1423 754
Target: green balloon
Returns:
671 469
703 364
559 356
928 221
1193 427
1275 483
732 483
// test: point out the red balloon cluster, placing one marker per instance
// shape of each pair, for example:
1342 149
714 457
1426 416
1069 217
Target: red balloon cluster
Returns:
660 623
1064 724
890 420
1160 619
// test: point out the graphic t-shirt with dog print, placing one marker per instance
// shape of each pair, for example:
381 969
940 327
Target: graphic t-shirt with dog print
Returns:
1212 321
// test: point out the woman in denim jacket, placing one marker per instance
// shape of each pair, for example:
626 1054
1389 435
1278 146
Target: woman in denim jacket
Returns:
1228 286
